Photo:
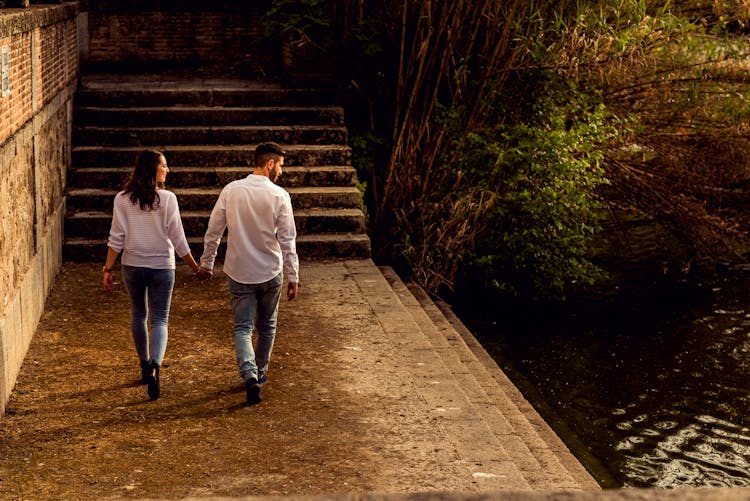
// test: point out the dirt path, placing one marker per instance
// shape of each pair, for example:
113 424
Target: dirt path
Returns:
337 416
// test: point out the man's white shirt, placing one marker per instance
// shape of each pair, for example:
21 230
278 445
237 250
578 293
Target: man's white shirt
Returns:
261 239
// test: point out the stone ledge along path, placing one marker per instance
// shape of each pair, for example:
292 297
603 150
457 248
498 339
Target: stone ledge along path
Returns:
372 390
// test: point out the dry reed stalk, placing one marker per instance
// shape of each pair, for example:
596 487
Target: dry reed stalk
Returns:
438 65
451 225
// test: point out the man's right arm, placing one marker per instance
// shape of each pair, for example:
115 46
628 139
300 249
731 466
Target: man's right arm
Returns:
217 223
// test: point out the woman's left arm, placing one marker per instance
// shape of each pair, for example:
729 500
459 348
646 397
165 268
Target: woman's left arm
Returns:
188 258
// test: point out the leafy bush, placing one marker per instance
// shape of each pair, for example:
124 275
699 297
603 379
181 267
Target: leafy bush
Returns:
529 191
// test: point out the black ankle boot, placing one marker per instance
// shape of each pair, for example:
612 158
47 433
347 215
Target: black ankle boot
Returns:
252 388
145 368
152 381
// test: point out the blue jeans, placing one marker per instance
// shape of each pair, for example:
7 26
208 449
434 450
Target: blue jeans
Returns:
254 305
150 291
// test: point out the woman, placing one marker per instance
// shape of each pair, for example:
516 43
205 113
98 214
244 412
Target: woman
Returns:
147 229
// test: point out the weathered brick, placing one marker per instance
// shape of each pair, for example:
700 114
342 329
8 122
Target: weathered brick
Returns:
227 39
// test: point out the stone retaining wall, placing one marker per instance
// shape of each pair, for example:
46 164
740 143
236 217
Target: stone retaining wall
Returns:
39 69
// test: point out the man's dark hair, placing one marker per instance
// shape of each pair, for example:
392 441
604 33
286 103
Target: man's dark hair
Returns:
266 151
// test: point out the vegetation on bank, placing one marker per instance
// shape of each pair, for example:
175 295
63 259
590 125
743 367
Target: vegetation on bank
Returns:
495 138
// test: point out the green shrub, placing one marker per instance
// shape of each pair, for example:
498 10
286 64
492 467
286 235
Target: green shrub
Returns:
534 185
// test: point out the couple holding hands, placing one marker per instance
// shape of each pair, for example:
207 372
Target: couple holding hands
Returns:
261 249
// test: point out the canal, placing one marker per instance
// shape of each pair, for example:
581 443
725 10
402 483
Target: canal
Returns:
648 390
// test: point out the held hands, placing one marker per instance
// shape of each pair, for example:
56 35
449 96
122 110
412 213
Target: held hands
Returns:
203 274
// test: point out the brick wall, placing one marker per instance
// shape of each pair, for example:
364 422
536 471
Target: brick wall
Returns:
35 128
222 37
16 108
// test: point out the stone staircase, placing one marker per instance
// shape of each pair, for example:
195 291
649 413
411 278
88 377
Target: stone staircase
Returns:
496 433
208 130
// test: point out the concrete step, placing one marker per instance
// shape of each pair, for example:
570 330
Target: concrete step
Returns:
307 221
552 442
536 436
475 445
187 177
232 94
217 134
208 115
318 246
210 155
485 404
304 197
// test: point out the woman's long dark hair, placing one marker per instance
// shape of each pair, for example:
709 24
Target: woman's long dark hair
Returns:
141 184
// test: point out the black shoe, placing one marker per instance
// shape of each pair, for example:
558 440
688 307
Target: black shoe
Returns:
152 380
145 368
262 378
252 388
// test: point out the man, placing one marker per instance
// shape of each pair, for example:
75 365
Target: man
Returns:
261 248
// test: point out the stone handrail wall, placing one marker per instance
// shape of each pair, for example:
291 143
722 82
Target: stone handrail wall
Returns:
38 74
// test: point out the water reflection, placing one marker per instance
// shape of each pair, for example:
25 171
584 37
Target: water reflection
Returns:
707 452
657 391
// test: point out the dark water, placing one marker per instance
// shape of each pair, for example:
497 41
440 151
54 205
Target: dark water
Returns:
649 391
